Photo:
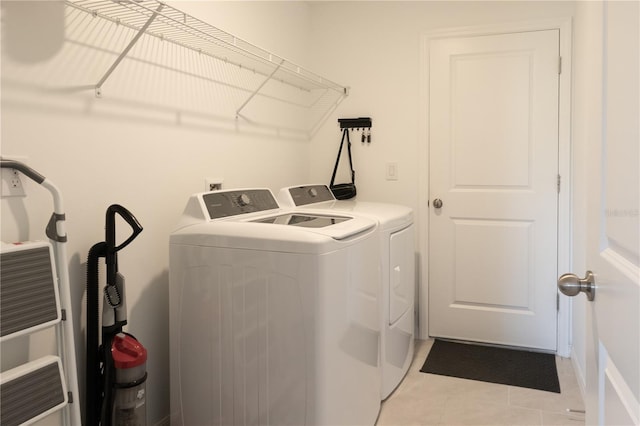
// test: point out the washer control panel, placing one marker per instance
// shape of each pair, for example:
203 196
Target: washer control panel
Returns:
309 194
236 202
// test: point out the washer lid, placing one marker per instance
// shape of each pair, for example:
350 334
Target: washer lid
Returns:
335 226
303 219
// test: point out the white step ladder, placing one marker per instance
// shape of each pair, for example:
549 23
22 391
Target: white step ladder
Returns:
35 295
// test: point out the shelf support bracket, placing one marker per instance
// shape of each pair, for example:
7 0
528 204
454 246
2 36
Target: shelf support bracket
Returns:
255 92
126 50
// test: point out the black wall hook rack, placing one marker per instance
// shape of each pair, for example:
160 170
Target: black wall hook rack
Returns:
355 123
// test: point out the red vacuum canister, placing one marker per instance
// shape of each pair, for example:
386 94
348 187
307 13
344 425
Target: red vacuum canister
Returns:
129 359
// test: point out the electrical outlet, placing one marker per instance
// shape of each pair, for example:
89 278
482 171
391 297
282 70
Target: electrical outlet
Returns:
12 184
11 181
213 184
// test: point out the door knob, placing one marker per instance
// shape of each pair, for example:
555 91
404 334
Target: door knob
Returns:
571 285
437 203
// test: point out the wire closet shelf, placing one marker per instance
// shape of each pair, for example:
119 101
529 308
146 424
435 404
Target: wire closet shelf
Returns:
167 23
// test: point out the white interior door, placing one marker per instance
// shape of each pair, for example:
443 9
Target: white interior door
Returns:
493 134
613 254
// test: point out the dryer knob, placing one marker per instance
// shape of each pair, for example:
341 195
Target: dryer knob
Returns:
244 200
313 192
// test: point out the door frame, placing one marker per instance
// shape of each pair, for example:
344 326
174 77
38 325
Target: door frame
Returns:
565 249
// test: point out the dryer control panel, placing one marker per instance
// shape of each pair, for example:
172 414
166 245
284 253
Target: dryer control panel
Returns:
308 194
236 202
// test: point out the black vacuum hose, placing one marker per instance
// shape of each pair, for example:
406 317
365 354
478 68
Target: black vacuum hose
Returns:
93 385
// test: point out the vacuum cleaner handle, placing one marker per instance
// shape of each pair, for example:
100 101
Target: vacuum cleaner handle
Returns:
110 238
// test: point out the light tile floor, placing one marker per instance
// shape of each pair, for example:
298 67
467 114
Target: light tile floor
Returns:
430 399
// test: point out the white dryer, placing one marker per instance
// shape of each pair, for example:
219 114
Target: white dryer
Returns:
397 265
274 314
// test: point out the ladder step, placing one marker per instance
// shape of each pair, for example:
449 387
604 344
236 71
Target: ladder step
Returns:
32 391
29 298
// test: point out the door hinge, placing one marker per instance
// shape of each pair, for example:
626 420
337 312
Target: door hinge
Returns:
559 182
559 64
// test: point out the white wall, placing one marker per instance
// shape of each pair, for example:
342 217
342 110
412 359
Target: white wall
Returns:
147 144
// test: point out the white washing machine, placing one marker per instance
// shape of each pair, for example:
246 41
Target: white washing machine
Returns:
397 265
274 314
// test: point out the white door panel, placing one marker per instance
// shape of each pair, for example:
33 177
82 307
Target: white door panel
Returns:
480 274
613 252
494 164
